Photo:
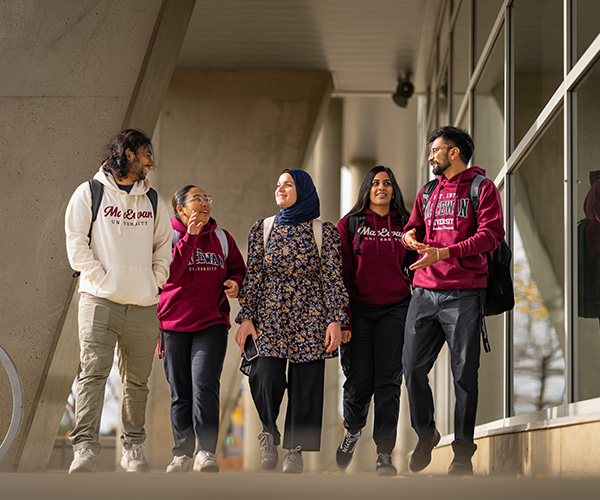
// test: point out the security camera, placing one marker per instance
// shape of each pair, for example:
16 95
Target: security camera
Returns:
404 90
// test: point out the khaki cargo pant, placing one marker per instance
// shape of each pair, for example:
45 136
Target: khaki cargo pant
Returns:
104 324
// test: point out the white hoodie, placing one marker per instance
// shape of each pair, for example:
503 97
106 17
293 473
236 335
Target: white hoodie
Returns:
130 253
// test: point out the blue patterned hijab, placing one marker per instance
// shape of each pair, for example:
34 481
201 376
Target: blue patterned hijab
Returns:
307 206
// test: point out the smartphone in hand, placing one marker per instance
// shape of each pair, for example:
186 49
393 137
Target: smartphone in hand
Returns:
250 349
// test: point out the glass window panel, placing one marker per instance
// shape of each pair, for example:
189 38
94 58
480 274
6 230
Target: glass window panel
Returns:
587 371
538 257
460 58
586 15
488 130
491 381
445 30
486 12
538 58
442 95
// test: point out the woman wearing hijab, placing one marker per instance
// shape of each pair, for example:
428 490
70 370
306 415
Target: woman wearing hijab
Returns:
292 304
375 273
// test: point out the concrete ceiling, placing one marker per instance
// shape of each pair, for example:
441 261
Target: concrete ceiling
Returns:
365 44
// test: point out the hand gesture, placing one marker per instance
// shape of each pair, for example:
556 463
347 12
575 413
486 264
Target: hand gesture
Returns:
411 241
194 228
231 289
333 336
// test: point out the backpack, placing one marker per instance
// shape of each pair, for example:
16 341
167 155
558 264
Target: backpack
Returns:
97 190
317 226
500 291
219 233
588 298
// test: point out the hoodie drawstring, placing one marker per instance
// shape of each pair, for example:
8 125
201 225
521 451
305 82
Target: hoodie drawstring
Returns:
389 221
376 234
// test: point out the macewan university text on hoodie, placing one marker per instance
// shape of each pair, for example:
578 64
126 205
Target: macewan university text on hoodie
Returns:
448 220
376 276
194 296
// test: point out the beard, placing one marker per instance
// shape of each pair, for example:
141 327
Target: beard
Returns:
439 169
137 170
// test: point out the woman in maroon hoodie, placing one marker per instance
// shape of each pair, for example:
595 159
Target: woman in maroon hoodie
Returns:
375 274
207 269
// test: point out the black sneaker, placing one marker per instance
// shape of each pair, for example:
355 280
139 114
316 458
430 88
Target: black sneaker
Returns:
384 465
461 466
268 451
343 455
421 456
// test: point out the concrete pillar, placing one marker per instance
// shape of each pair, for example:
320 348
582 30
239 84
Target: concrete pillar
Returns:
327 162
76 70
232 133
359 168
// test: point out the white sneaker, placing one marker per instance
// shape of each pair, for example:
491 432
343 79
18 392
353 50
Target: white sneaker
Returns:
133 459
292 461
84 460
206 462
181 463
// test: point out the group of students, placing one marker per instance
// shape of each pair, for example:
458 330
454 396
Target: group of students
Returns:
309 290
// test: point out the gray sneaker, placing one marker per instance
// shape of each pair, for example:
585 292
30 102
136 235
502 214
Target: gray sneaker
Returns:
84 460
181 463
206 462
268 451
133 459
292 461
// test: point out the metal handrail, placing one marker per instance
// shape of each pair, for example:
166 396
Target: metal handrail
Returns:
17 393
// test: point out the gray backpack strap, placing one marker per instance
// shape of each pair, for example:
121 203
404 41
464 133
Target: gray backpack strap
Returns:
175 238
267 226
317 225
223 241
97 190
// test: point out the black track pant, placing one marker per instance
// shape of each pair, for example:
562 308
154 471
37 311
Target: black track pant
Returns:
435 317
372 364
304 414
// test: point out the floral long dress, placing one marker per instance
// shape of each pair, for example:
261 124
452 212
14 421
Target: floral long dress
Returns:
290 293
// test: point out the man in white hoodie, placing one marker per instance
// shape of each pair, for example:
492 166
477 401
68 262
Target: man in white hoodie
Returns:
123 258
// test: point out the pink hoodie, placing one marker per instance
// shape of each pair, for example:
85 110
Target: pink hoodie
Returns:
448 221
194 296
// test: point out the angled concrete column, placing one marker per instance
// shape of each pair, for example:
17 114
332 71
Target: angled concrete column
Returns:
232 133
75 72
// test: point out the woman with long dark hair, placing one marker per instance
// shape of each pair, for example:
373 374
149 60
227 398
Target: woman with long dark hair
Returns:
375 274
207 270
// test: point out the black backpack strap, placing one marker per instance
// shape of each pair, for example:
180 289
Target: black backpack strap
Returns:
354 223
153 196
475 190
97 189
428 189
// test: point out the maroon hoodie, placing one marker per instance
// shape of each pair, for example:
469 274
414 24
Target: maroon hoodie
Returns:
448 221
194 296
376 276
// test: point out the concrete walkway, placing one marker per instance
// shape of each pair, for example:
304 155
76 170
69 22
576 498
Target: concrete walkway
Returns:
274 485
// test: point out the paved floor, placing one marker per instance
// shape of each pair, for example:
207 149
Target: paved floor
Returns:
270 485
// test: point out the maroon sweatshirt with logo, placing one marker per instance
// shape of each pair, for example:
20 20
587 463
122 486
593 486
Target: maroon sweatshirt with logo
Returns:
448 220
375 277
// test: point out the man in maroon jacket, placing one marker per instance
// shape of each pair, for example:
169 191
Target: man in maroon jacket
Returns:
449 292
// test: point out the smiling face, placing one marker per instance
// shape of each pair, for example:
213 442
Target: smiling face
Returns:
381 193
140 163
194 201
285 194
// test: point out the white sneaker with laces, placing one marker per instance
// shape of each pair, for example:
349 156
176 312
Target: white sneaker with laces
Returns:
181 463
133 459
206 462
292 461
84 460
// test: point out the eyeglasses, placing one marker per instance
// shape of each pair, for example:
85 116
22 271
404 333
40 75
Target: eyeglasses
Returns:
434 151
208 198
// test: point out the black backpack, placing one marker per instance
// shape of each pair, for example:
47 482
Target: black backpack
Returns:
500 296
97 189
588 296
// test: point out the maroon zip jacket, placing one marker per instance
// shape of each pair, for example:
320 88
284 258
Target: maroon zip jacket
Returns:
375 277
448 220
194 296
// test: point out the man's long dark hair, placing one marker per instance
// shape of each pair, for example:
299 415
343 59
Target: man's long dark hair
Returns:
115 159
364 195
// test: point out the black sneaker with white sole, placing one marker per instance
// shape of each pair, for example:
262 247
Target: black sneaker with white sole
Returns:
345 450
